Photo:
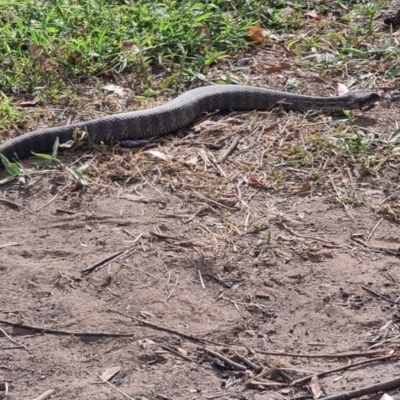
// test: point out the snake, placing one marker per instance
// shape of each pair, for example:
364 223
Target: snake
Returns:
177 114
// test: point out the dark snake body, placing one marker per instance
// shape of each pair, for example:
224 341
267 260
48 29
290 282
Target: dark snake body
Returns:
177 113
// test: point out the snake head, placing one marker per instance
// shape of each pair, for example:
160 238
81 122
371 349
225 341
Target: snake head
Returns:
363 98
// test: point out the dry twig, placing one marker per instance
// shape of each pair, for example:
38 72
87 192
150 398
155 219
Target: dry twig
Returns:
229 150
103 262
226 360
42 329
107 260
346 208
375 248
344 367
11 203
336 355
248 362
169 330
179 354
379 387
373 230
114 387
45 395
381 296
12 340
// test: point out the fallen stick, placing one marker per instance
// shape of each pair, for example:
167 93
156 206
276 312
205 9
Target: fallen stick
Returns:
169 330
116 388
379 387
103 262
12 340
336 355
9 244
41 329
343 368
230 150
45 395
11 203
248 362
376 249
380 296
179 354
226 360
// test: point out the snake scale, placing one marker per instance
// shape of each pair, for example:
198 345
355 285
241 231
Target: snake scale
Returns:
177 113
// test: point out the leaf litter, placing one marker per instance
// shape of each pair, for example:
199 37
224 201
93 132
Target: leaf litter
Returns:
253 253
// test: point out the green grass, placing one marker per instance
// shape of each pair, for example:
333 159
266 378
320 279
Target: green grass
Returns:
82 38
48 42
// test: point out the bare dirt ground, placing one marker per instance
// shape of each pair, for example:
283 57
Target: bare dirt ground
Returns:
211 259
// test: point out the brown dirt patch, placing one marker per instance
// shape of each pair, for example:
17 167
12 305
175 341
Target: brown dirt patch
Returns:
221 254
280 273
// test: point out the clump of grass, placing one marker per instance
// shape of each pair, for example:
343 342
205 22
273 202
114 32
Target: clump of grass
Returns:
9 114
40 41
44 42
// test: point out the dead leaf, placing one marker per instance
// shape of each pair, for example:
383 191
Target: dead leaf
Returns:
205 31
287 12
386 209
158 154
145 343
35 51
342 6
109 373
127 46
306 187
342 89
385 326
29 103
132 197
192 161
315 387
386 396
270 68
256 34
184 352
36 54
130 101
255 183
118 90
312 14
146 314
209 125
